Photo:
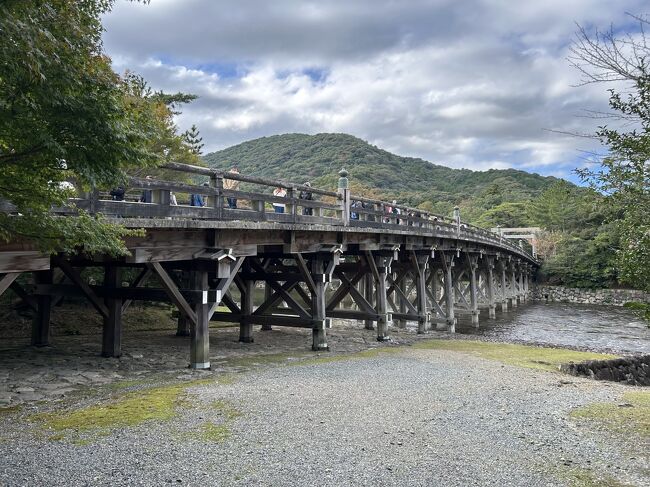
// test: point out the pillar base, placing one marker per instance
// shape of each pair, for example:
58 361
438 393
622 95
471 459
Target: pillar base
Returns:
384 338
267 328
504 307
475 319
182 333
320 348
492 312
370 326
451 326
200 366
246 340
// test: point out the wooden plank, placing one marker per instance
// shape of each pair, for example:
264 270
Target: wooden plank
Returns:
22 261
7 280
137 282
74 276
302 266
173 292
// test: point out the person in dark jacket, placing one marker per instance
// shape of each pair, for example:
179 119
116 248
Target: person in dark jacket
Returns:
117 194
306 195
147 194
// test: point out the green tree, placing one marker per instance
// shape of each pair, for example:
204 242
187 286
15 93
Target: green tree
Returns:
505 215
624 175
555 208
67 121
193 140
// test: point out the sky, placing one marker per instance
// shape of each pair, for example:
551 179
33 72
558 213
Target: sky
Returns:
476 84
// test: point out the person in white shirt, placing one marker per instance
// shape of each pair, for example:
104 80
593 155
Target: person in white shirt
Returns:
282 193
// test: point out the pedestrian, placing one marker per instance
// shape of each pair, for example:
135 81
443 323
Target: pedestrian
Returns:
353 214
117 194
147 194
306 195
280 192
197 199
396 211
172 199
232 185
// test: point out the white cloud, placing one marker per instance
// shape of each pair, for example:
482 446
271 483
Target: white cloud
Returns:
469 84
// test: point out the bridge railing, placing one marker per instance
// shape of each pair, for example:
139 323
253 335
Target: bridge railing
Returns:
234 196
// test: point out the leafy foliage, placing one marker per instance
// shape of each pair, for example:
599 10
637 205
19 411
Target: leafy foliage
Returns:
68 123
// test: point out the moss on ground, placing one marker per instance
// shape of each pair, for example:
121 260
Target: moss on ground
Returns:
216 433
581 477
7 410
224 408
132 409
521 355
630 416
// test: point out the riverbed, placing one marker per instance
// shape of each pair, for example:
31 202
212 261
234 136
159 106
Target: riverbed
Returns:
600 328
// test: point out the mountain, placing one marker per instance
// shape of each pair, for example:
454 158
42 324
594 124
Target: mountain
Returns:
376 172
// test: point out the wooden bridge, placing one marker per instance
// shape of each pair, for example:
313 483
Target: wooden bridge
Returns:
388 262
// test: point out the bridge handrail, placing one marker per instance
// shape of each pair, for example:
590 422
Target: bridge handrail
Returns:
255 205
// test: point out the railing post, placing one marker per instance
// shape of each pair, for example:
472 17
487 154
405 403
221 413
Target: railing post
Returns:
291 204
216 181
344 195
457 219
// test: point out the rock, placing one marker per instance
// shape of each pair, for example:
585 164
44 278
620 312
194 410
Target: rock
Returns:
24 390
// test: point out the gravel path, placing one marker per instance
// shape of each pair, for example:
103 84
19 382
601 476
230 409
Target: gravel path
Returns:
415 417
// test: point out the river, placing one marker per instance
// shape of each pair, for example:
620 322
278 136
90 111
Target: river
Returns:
602 328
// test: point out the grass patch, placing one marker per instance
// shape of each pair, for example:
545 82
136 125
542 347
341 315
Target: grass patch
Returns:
581 477
7 410
631 419
132 409
521 355
125 384
226 409
214 432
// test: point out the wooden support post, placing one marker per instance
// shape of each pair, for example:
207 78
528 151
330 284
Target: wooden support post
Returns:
490 288
448 263
401 323
504 288
112 331
182 326
319 336
473 288
41 323
522 292
245 326
200 333
368 292
268 291
513 287
382 301
424 321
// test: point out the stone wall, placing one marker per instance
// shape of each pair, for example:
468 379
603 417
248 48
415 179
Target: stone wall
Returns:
632 370
616 297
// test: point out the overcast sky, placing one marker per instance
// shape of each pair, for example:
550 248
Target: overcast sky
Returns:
463 83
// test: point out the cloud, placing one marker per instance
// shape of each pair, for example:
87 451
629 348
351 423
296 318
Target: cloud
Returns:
471 84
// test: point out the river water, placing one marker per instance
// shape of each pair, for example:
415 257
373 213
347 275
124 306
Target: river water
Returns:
602 328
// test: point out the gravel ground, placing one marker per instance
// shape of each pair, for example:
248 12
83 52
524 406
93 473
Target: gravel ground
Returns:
415 417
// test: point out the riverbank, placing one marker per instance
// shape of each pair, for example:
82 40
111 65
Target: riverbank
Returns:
610 297
420 411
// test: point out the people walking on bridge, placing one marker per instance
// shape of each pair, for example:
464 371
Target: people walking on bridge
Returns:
280 192
353 214
117 194
197 199
306 195
147 194
232 185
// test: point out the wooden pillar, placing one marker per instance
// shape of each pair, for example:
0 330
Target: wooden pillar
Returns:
513 287
382 302
504 289
112 332
424 318
183 324
41 322
268 291
319 335
368 294
435 288
473 288
200 333
448 262
490 288
401 323
245 327
522 292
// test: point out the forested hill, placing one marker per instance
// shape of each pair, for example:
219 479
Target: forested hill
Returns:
318 158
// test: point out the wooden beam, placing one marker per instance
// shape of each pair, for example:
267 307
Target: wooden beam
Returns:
7 280
302 266
173 292
22 261
137 282
27 299
74 276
